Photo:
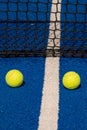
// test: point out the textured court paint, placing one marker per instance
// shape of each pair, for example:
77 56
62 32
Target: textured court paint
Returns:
50 99
73 103
20 107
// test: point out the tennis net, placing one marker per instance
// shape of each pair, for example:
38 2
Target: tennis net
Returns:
43 28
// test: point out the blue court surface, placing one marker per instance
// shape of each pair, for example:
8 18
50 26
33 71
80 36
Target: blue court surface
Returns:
73 104
20 107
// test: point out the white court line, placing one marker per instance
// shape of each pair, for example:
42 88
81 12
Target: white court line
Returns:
48 119
49 108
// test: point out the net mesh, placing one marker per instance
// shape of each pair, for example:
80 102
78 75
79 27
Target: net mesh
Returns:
43 28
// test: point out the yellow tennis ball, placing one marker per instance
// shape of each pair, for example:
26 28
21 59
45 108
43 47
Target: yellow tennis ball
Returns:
71 80
14 78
